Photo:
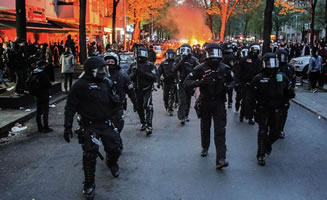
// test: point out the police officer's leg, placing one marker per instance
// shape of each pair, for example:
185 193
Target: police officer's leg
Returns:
166 94
140 109
149 112
90 153
189 94
275 120
205 121
219 119
262 120
112 146
39 113
238 98
284 112
65 81
230 98
182 104
45 109
242 112
118 122
171 98
249 113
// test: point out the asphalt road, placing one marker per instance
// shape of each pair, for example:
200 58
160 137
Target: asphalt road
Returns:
167 165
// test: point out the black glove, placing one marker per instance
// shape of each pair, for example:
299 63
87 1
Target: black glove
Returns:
68 133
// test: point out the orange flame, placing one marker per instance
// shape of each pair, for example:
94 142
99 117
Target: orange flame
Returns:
190 22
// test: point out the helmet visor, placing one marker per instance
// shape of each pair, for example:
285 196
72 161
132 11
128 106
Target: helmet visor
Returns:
142 53
170 55
271 63
214 53
185 51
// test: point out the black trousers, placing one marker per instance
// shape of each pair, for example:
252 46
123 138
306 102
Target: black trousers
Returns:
238 97
284 111
111 142
168 95
42 110
314 77
214 110
246 106
230 96
20 80
184 100
270 124
145 106
68 78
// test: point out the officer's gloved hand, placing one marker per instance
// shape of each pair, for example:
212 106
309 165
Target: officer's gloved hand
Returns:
68 133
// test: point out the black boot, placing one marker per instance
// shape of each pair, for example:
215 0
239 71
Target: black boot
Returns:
251 122
221 164
261 160
237 106
143 126
282 135
89 173
230 105
113 166
204 152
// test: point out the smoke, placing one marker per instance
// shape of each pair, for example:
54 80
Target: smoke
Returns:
188 23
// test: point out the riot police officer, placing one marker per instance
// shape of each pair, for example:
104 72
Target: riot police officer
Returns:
230 60
238 88
124 86
270 90
144 73
249 67
94 98
214 79
169 77
289 71
183 66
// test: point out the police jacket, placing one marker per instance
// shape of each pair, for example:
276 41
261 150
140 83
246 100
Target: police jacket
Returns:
248 68
289 71
271 91
231 61
166 70
218 81
184 66
93 100
123 85
143 75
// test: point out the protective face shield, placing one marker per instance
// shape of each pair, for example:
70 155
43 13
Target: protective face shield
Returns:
214 53
170 56
185 51
283 58
99 73
255 50
244 52
142 55
271 63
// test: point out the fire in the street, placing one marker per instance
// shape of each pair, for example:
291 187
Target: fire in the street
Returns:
190 24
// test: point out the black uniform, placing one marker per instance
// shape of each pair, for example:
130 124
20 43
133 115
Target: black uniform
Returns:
214 82
124 86
289 71
248 68
96 102
169 77
144 75
231 61
183 66
270 92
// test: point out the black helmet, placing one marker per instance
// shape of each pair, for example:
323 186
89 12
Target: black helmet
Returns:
112 55
213 50
170 54
270 61
141 52
94 62
185 50
255 49
282 55
228 48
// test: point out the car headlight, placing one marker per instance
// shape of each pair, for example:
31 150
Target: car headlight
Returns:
300 62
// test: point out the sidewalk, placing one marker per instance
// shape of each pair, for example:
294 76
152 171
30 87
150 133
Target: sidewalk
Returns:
9 117
314 102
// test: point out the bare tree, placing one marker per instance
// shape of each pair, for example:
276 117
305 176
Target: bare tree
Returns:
114 13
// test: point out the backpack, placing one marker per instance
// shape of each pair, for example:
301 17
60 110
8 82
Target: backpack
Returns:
33 84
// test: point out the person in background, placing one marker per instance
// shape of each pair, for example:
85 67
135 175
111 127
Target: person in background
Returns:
67 62
315 67
152 55
323 53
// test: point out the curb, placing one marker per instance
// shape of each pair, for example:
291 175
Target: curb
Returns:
5 129
308 108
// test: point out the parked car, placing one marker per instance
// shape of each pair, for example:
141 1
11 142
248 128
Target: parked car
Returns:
158 50
126 59
301 65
